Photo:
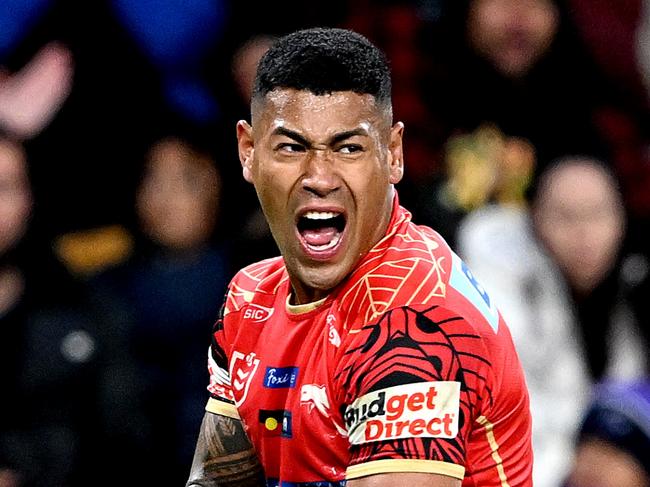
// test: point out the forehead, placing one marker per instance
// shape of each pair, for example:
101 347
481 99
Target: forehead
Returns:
578 185
329 113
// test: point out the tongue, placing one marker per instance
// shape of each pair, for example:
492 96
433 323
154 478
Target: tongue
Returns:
319 236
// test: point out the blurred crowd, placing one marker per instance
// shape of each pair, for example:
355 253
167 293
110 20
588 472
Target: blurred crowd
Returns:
123 214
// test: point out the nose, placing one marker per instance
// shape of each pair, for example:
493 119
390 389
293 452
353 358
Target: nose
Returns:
320 175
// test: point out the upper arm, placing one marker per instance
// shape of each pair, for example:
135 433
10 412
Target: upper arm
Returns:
224 455
411 388
405 479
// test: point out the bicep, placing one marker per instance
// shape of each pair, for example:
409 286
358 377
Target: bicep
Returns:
412 384
405 479
224 455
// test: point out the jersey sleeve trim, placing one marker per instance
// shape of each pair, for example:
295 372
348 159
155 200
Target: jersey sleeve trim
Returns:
222 408
405 465
494 446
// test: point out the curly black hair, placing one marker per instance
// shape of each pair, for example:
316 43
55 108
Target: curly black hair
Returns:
322 61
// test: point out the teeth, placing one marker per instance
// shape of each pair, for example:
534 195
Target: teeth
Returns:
320 215
327 246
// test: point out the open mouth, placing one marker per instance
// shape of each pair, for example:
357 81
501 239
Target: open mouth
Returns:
321 230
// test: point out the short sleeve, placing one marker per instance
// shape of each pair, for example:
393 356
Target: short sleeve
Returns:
221 397
411 385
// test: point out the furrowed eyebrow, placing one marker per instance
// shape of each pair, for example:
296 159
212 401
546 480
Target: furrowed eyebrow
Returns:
346 135
335 139
292 135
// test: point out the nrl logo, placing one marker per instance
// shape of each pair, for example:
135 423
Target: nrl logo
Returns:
242 370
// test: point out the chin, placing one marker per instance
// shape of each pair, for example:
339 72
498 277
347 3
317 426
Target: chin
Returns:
321 280
324 280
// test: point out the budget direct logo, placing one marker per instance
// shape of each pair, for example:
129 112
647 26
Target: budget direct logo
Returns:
420 410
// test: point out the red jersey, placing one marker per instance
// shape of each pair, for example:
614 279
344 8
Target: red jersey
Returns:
407 366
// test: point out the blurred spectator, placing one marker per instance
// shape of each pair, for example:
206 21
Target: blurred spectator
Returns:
170 292
516 67
580 220
398 26
86 103
31 97
91 84
52 353
482 167
244 65
251 233
572 296
616 34
177 37
614 440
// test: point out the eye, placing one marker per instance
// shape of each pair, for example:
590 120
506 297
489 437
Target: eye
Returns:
350 149
290 147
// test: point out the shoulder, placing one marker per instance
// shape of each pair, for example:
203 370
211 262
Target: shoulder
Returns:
412 348
416 267
416 351
261 278
418 282
411 266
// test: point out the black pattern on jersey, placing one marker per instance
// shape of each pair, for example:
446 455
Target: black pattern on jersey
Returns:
417 344
217 352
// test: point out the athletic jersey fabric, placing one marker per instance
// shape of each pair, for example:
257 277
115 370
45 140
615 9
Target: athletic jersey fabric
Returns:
407 366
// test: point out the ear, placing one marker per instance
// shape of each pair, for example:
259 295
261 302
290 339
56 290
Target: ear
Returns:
396 153
246 147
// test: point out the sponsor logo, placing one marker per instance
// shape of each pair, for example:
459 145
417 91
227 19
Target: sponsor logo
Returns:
257 313
314 396
280 377
242 370
276 422
466 283
423 409
334 337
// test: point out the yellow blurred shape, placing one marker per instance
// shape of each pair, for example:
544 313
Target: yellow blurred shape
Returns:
88 252
487 165
271 423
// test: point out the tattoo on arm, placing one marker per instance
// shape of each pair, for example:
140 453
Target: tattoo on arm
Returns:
224 456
